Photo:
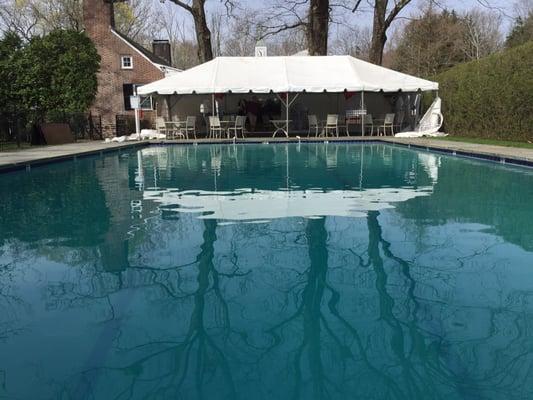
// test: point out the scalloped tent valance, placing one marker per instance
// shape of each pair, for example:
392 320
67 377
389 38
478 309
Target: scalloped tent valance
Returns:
294 74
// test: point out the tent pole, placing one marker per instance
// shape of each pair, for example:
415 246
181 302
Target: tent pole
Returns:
287 113
169 108
362 116
212 104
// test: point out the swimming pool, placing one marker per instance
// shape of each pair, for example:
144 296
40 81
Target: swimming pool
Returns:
261 271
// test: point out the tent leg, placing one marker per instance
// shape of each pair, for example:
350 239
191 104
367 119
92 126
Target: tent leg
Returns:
169 108
362 116
137 124
212 104
287 114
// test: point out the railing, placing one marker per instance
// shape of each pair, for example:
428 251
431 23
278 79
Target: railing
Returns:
17 131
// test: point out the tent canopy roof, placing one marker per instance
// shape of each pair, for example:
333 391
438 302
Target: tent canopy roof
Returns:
286 74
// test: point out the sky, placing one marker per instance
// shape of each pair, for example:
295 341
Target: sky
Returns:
506 8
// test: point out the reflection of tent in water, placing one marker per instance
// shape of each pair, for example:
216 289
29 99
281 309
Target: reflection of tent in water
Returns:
255 204
261 205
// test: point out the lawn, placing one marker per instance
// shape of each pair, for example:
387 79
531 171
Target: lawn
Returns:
11 146
495 142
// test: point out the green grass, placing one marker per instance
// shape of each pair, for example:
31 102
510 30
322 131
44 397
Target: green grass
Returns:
11 146
495 142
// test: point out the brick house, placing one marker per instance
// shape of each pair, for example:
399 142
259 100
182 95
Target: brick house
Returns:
124 65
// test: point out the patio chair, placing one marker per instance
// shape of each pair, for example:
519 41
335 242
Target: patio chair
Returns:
388 122
332 124
160 126
240 121
215 129
368 121
190 126
313 125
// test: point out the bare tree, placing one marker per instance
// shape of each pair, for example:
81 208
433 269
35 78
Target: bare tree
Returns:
352 41
309 16
32 17
241 34
58 14
482 34
203 35
18 17
217 34
384 15
523 8
135 19
168 24
317 27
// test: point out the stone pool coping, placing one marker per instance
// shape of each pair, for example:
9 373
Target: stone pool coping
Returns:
27 158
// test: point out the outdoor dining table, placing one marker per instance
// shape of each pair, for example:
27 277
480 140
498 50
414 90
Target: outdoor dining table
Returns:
281 125
175 126
226 124
354 120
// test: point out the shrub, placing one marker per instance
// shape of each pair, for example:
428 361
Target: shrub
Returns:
57 74
492 97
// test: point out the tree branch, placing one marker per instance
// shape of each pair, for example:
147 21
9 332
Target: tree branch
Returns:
182 5
395 11
356 6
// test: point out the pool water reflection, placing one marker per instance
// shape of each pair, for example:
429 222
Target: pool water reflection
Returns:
338 271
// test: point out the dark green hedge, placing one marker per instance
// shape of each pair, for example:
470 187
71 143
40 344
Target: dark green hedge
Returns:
492 97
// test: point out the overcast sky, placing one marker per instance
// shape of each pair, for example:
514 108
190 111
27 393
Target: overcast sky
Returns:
504 7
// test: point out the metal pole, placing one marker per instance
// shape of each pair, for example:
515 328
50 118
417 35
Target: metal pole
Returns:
287 113
137 123
362 116
212 104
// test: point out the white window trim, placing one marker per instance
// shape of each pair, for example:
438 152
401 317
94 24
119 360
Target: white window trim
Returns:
147 102
122 66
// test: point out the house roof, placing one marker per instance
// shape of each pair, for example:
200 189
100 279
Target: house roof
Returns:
287 74
141 49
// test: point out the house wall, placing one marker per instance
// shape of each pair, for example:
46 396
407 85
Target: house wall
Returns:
99 22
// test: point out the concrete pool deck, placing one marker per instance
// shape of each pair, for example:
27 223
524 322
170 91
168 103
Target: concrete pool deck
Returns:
26 158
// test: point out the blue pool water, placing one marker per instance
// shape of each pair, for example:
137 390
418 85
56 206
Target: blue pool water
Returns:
316 271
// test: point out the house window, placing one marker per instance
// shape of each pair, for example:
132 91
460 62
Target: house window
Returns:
127 90
130 89
126 62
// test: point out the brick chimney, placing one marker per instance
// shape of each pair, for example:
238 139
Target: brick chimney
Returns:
161 48
98 17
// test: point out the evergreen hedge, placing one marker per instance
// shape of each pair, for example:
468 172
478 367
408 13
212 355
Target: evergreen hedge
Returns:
492 97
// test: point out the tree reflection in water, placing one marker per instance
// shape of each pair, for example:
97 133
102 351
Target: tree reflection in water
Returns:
192 363
383 306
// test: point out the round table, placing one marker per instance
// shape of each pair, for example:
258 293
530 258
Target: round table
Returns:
281 125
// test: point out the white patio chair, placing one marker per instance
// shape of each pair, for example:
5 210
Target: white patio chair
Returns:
190 126
332 124
240 121
388 122
160 126
215 129
313 125
368 121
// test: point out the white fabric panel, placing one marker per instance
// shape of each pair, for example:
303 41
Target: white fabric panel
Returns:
286 74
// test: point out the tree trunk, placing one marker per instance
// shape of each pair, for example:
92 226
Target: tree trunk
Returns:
379 32
317 28
203 34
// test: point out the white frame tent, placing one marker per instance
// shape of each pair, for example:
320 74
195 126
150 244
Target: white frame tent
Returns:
286 75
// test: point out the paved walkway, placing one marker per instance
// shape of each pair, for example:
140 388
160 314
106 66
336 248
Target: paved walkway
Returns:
502 152
40 155
44 154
